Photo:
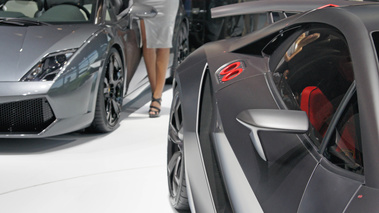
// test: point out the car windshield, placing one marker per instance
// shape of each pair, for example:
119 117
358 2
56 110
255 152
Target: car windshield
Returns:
37 12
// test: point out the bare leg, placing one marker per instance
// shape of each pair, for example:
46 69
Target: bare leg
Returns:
163 55
156 61
150 57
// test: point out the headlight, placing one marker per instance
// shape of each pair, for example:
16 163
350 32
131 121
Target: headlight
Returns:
48 68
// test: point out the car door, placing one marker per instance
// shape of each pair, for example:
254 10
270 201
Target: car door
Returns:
315 75
126 28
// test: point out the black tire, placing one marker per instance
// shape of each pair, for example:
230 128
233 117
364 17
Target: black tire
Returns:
181 45
175 157
109 95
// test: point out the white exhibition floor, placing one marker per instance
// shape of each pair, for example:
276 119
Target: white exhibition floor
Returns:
123 171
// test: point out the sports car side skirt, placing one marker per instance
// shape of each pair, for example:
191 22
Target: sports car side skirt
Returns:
240 192
205 127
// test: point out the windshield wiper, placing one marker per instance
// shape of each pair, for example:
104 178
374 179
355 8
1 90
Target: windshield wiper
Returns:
21 22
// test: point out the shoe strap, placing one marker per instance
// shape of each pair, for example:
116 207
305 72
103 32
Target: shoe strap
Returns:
158 100
154 107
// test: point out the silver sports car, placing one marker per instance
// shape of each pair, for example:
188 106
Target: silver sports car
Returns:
67 65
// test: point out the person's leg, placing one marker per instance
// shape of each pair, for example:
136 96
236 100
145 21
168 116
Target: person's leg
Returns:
156 61
150 58
162 57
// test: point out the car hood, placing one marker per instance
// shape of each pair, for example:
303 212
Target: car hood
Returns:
23 47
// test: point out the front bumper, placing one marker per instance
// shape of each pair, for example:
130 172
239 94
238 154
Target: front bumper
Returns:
26 116
44 109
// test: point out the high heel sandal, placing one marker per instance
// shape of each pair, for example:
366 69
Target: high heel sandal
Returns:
155 113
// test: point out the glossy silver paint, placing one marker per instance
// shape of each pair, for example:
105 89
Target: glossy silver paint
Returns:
275 120
72 93
272 120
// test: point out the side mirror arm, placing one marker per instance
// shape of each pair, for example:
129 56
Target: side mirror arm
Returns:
290 121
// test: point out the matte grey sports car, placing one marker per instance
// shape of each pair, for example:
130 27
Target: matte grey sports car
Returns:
285 119
68 64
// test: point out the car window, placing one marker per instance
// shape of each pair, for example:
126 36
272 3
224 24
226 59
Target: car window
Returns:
241 25
27 8
254 22
288 14
375 38
313 75
344 148
276 16
108 12
51 11
114 7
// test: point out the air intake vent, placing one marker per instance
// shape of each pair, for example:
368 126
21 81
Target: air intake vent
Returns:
27 117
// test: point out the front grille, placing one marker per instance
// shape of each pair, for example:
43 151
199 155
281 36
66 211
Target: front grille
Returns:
29 116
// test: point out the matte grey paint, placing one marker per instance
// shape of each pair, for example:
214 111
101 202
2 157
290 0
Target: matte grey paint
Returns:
241 195
197 182
296 171
327 192
364 200
253 7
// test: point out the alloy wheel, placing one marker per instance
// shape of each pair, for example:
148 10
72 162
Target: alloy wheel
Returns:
175 165
113 85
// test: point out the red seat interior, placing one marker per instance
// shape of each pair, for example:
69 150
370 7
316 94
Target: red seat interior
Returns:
317 106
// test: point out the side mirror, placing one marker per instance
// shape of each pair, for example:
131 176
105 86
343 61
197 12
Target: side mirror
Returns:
289 121
138 11
142 11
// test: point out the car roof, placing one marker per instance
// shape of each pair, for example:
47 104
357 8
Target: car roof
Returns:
346 18
365 13
295 6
